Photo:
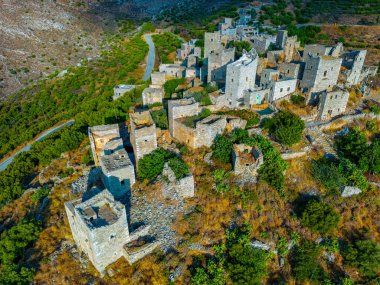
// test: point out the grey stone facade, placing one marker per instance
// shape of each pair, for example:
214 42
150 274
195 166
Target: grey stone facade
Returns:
213 43
152 95
241 76
291 70
332 104
180 109
261 43
118 172
354 62
217 64
321 73
316 50
142 134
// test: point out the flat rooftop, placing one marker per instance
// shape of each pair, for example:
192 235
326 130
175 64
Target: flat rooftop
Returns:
141 119
115 161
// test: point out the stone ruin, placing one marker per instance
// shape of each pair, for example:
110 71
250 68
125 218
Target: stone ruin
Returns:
183 188
121 89
100 229
185 126
217 65
246 160
152 95
99 136
142 134
353 63
117 168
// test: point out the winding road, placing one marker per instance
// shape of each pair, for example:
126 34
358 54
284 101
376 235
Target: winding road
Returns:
5 163
151 57
148 71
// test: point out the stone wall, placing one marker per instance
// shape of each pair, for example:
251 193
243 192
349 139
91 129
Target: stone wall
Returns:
158 79
282 88
268 76
179 109
291 70
103 243
261 43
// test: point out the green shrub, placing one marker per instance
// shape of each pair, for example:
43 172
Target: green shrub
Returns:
222 149
251 117
286 127
305 265
170 86
179 168
160 119
40 194
297 99
151 165
352 145
365 256
335 174
320 217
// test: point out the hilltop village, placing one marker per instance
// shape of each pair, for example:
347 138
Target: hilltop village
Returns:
258 80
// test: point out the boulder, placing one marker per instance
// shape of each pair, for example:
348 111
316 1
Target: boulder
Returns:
349 191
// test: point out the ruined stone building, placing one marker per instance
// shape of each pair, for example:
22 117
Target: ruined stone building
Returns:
268 76
261 43
100 229
316 50
353 63
187 128
173 70
321 73
118 172
158 79
121 89
142 134
281 38
291 69
217 65
246 160
241 76
152 95
188 49
332 104
213 43
99 136
184 187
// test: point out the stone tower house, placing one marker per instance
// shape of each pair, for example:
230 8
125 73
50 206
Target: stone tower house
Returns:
354 62
217 64
213 43
241 76
332 104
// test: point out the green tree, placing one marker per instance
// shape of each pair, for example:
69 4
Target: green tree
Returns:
151 165
247 265
320 217
287 127
370 160
365 256
305 263
352 145
222 149
179 167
